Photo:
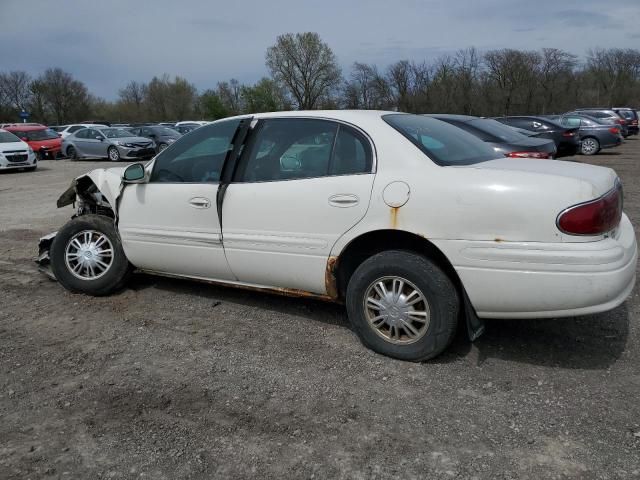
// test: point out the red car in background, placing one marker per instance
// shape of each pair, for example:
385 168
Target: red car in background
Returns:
44 141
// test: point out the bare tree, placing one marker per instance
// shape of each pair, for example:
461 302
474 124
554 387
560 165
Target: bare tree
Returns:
305 66
66 98
555 70
230 95
15 89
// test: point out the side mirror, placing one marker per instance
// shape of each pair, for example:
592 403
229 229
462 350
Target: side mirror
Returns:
134 173
99 138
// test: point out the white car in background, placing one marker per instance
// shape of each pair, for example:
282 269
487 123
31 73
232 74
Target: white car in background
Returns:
64 131
411 222
15 154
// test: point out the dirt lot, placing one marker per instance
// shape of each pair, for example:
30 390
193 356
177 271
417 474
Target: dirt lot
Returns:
173 379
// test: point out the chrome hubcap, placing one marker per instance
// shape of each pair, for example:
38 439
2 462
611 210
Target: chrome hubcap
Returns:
397 310
113 154
588 146
89 255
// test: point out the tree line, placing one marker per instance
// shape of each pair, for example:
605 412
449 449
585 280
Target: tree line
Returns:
305 74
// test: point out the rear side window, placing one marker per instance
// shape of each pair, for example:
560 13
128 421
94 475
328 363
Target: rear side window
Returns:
74 128
295 148
83 133
443 143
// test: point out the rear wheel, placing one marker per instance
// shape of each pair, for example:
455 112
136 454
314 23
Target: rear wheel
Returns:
590 146
71 153
87 256
113 154
403 305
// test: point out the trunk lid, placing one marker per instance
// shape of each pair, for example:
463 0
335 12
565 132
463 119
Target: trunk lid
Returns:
599 179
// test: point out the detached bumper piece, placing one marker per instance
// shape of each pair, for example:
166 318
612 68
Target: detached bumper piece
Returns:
43 260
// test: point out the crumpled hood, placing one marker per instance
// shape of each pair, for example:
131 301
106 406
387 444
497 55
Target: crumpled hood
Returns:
108 181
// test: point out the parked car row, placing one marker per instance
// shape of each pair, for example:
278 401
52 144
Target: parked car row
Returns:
586 131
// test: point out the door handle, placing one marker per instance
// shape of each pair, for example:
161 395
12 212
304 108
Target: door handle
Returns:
200 202
344 200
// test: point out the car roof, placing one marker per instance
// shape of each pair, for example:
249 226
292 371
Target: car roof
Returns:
26 128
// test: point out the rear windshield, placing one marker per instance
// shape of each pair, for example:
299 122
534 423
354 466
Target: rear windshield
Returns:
443 143
6 137
170 132
497 129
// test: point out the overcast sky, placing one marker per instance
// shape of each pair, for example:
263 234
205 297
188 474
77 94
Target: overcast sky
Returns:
106 43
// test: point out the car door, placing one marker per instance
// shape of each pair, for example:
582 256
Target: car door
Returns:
170 223
300 185
81 142
94 144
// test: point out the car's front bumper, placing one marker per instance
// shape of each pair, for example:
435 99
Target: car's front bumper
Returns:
541 280
136 153
30 162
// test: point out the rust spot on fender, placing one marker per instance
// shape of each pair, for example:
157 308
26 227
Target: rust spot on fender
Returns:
330 281
498 240
394 217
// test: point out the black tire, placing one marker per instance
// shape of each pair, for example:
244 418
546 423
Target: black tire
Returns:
72 154
434 285
589 146
113 279
113 154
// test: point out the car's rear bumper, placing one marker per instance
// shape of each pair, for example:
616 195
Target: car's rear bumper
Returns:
537 280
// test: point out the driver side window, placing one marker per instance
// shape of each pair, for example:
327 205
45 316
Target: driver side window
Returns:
196 158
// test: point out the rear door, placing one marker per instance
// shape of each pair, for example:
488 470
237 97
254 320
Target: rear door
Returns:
301 184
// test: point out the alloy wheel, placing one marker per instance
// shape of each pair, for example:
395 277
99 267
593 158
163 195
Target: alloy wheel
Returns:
397 310
89 255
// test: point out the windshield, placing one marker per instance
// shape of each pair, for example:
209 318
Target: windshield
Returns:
8 137
497 129
445 144
116 133
37 135
166 131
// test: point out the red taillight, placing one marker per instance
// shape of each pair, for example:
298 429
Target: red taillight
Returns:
620 121
634 123
527 155
614 130
595 217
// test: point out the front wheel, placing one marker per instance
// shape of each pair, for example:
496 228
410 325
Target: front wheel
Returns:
114 154
590 146
401 304
87 256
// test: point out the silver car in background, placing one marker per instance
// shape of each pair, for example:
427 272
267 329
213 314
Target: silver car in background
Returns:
107 142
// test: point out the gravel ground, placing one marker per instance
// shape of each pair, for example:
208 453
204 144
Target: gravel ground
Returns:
174 379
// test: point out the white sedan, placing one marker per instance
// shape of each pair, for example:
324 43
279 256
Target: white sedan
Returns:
414 224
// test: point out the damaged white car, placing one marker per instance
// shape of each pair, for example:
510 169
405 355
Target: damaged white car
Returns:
414 224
